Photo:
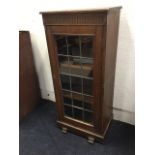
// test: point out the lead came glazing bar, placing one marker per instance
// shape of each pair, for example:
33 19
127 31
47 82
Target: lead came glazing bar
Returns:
69 77
78 69
81 77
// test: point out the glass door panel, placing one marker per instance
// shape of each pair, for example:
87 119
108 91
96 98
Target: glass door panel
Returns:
68 111
76 75
65 81
76 84
88 116
87 67
87 86
77 103
67 98
87 46
63 64
61 44
75 66
73 45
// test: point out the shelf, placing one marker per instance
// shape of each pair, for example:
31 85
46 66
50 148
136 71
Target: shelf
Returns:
77 92
81 108
75 75
74 56
88 99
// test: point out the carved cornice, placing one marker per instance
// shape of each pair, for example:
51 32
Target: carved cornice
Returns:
75 19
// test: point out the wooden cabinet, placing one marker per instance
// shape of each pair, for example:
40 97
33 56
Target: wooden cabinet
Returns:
82 48
29 92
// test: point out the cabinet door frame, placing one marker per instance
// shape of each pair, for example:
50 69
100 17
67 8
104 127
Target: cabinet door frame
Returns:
97 32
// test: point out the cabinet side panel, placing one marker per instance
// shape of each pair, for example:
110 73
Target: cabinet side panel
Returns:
109 64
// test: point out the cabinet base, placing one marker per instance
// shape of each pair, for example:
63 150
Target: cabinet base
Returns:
64 130
91 140
92 136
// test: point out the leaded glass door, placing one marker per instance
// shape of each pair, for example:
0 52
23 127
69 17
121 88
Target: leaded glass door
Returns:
75 55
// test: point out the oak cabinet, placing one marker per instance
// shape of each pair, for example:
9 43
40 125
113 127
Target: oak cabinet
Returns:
82 48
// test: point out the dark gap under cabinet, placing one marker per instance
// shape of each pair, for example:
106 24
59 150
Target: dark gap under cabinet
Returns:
82 47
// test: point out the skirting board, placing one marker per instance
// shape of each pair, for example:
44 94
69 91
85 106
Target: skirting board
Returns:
124 115
119 114
48 95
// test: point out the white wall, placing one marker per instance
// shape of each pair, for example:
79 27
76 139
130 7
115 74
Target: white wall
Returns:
30 19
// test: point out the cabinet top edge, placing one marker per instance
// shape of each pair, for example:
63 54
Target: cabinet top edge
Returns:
82 11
